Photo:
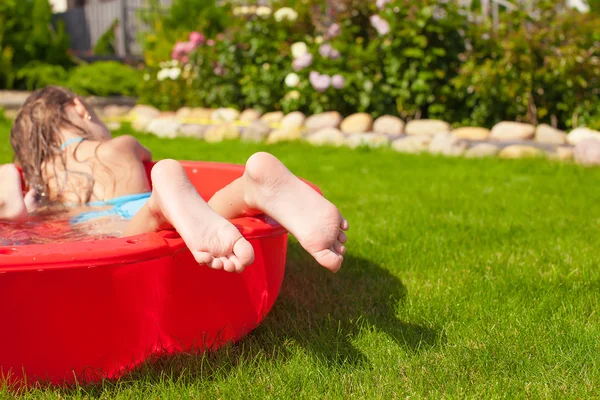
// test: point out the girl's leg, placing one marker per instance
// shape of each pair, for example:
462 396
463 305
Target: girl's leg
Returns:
175 202
267 185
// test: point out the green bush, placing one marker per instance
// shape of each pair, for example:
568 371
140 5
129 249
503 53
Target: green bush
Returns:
105 78
36 75
540 70
26 35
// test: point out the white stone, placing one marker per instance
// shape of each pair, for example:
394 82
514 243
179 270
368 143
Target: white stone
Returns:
508 130
426 127
520 151
225 115
330 119
357 123
250 115
192 130
222 132
164 127
587 152
471 133
257 131
580 134
482 150
293 120
447 144
544 133
327 136
273 117
412 144
388 125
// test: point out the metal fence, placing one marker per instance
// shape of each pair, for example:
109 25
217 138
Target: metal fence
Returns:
87 24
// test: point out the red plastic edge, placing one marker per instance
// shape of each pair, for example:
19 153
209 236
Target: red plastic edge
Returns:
118 251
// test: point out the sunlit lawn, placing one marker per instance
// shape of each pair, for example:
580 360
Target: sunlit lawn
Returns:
464 278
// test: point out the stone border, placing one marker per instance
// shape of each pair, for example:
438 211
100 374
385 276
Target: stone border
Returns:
506 139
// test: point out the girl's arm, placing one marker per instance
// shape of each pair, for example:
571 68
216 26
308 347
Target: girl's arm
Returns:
13 205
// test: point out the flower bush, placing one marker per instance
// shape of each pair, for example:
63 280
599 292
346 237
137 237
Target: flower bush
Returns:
412 58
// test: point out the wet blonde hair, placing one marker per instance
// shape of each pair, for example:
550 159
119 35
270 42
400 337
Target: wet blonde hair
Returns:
36 139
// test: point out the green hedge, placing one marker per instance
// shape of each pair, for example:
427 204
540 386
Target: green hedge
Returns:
410 57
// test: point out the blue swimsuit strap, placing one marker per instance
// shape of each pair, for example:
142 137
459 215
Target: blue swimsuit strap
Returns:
71 141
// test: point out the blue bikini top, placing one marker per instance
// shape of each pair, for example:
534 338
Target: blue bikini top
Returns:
71 141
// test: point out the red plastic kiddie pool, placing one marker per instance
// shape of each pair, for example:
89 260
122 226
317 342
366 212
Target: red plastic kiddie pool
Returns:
90 310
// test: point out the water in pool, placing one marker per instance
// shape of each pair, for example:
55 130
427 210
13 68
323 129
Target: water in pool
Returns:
52 226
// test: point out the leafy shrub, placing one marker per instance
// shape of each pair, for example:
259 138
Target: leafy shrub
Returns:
105 78
37 74
27 34
545 69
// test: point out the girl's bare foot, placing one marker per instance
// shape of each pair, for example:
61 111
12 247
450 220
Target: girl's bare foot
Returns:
212 239
314 221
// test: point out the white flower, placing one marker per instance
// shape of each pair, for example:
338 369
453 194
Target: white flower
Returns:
162 74
174 73
319 39
292 79
263 11
237 11
299 49
580 5
244 10
285 13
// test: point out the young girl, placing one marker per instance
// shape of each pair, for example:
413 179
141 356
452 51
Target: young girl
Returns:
68 156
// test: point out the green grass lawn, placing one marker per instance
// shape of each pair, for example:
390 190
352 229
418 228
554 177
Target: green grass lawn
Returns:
464 278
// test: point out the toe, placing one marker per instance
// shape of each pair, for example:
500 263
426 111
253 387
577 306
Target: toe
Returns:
344 225
339 248
244 251
342 237
216 263
228 265
237 263
202 257
329 259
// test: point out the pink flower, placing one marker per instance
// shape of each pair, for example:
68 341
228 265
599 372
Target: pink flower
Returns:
210 42
334 30
305 60
189 47
178 50
197 38
338 81
320 82
381 25
325 49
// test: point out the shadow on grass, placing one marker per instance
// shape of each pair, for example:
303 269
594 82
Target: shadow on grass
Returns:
317 312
